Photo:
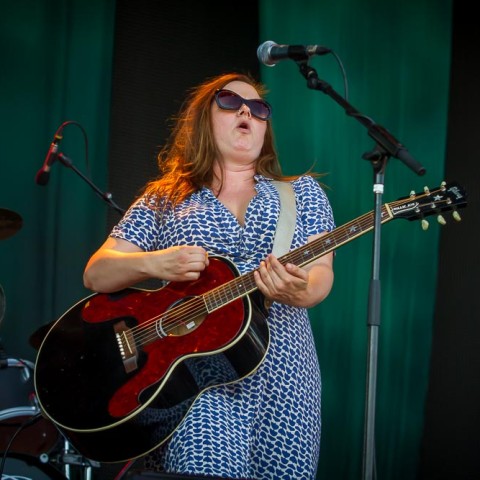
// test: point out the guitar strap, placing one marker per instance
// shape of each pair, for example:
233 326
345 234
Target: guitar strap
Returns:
286 219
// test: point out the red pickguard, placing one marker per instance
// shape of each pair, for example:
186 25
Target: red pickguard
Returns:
217 331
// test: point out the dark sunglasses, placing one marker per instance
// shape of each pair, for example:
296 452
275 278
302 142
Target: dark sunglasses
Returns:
228 100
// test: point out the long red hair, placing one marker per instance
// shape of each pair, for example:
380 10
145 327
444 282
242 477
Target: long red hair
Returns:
186 161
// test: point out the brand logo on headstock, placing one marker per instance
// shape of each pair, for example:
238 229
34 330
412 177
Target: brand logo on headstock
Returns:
456 191
406 207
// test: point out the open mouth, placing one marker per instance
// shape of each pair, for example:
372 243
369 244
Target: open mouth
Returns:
244 126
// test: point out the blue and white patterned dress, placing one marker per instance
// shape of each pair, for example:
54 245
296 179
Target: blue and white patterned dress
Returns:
266 426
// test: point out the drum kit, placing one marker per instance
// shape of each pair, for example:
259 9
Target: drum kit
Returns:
31 446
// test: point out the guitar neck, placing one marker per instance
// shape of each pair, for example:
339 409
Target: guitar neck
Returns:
444 198
245 284
335 239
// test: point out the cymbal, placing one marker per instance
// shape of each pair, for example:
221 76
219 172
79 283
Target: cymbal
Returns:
10 223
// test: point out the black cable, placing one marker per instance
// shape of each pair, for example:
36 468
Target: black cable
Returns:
85 138
25 424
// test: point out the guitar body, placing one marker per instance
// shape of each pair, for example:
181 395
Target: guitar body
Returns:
104 404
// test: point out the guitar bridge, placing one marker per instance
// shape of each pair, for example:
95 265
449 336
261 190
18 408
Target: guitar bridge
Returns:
126 346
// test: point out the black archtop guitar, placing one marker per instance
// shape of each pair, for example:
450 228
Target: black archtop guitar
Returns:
118 372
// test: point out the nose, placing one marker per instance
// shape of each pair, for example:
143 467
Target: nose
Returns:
244 110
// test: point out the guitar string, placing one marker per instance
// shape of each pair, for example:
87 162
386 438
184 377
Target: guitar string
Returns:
195 307
173 323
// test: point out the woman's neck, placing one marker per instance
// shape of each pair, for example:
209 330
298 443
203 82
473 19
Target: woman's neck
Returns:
235 188
234 178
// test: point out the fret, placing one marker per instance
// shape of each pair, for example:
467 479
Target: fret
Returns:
237 288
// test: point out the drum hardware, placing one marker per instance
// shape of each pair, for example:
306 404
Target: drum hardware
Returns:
19 465
24 467
30 444
26 437
56 466
68 458
21 427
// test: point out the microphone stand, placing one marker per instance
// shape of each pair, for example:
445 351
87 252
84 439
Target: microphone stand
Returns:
386 146
106 196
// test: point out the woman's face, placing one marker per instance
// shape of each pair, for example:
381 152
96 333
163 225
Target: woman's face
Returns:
238 134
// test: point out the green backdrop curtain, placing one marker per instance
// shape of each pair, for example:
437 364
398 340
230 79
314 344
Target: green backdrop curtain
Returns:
397 58
56 66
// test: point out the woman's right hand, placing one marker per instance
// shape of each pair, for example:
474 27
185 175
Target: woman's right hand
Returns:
180 263
118 264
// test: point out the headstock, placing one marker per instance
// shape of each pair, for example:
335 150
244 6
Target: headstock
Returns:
447 197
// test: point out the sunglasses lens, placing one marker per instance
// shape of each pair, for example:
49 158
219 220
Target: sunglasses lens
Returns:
231 101
260 109
228 100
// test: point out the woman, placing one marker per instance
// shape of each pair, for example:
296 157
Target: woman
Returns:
215 196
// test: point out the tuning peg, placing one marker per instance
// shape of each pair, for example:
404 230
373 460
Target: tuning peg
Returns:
441 220
456 216
424 224
426 190
412 194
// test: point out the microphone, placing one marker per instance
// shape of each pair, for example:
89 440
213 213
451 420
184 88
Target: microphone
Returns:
43 175
269 53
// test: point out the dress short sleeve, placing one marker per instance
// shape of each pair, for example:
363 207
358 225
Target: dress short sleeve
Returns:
313 206
139 225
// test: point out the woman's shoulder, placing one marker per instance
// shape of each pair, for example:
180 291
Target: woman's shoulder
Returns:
307 184
303 185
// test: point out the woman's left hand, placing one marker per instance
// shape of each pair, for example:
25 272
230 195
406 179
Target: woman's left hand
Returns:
285 284
294 285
